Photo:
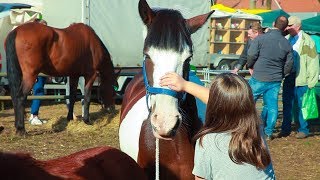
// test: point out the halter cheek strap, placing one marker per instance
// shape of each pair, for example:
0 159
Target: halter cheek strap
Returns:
155 90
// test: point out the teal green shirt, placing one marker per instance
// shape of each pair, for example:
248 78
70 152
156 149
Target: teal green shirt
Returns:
212 161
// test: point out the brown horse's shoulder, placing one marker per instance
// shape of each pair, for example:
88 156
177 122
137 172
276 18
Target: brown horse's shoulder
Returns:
134 91
95 163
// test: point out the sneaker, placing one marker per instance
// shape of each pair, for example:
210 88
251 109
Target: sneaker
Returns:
283 134
74 117
31 117
269 137
36 121
301 135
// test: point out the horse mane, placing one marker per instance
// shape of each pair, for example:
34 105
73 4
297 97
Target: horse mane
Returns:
169 31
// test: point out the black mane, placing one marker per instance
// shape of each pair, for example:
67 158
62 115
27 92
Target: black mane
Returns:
168 30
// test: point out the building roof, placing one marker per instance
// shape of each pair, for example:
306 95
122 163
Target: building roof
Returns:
286 5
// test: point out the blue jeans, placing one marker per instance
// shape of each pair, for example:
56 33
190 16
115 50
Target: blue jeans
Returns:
288 98
37 91
270 92
299 92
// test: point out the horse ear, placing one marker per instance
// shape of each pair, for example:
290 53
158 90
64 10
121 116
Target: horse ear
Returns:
145 12
196 22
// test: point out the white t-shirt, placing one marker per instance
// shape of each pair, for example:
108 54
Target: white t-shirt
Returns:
212 161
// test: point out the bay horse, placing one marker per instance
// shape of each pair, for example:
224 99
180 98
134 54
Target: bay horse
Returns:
95 163
148 111
75 51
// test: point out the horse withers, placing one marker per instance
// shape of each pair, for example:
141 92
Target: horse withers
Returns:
95 163
148 114
75 51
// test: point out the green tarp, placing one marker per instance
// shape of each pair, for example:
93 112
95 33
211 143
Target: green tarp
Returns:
270 17
311 25
316 39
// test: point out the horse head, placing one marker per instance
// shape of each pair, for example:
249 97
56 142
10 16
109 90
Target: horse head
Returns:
108 84
167 48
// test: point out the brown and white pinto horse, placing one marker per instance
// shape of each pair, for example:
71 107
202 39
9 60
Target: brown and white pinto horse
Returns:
74 51
147 114
95 163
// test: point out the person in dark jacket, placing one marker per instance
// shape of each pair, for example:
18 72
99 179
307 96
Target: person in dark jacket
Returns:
254 31
270 57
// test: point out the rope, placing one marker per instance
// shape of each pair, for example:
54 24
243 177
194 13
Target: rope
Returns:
157 159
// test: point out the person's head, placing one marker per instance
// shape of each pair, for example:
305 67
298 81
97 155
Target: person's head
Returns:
281 23
230 106
294 25
255 30
41 21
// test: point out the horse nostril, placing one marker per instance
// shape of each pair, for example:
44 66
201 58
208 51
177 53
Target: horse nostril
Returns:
155 116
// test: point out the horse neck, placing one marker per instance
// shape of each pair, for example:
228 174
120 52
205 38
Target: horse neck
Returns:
176 155
190 121
21 166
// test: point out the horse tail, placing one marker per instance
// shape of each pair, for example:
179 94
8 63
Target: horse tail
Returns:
13 68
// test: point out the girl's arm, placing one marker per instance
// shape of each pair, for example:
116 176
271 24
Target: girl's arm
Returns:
177 83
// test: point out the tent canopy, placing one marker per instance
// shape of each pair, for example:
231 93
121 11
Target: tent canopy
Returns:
270 17
224 8
311 25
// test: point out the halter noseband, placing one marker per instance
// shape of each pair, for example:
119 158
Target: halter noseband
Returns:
156 90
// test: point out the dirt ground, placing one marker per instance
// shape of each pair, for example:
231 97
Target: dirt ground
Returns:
292 158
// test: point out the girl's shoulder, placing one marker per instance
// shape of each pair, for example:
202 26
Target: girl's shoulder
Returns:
211 139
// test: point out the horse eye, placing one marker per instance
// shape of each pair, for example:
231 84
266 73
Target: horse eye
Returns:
189 58
147 56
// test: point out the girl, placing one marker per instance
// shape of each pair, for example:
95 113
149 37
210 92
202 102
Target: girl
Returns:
230 144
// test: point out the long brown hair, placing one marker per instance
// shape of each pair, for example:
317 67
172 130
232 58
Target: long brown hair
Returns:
231 109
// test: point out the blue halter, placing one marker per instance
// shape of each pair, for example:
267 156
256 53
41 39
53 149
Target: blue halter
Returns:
155 90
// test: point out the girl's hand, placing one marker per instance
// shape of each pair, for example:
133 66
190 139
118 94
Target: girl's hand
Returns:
173 81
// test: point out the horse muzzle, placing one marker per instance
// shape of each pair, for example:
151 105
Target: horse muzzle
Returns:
165 129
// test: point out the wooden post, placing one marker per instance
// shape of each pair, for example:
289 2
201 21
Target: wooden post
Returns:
252 4
268 4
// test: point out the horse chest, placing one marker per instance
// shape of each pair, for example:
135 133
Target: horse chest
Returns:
130 128
175 156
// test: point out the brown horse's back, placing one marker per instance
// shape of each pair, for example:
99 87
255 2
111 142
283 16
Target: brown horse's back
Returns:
95 163
56 51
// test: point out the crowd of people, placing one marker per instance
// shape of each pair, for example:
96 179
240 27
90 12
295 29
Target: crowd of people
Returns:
285 55
232 142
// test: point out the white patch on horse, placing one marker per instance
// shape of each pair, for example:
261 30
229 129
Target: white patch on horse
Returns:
130 127
166 107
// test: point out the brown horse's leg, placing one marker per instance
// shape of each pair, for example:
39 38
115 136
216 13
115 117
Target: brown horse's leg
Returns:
73 94
87 97
20 103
